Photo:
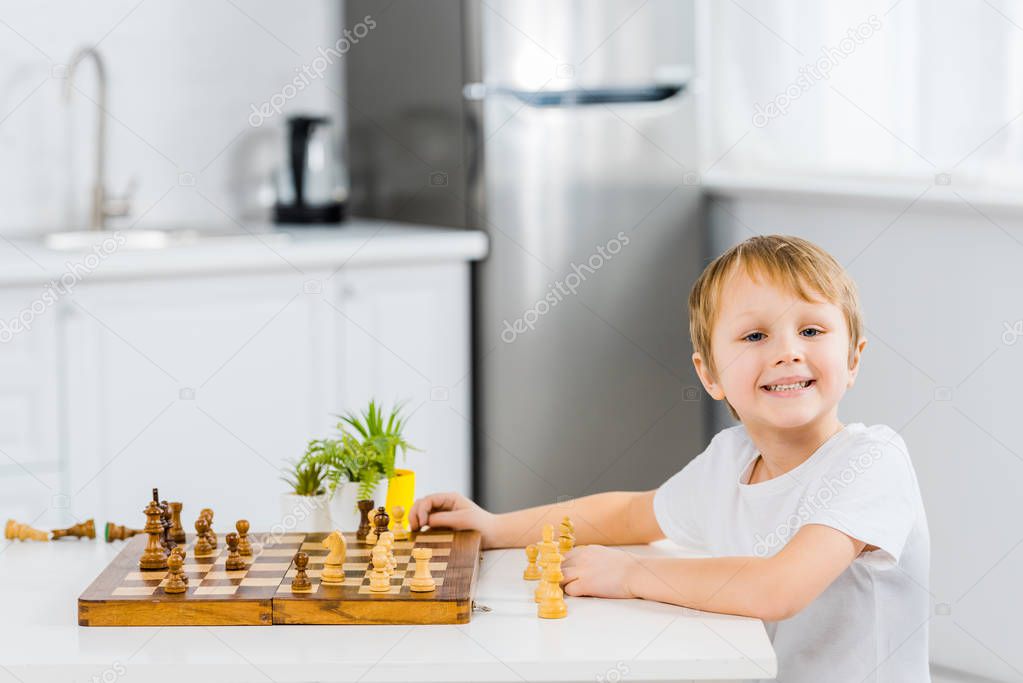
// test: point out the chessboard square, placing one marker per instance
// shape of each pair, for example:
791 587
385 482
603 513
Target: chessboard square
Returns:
353 581
435 538
223 575
268 567
196 568
260 582
438 581
216 590
311 573
441 552
134 590
286 589
437 566
358 552
355 566
402 545
277 552
312 545
394 590
145 576
293 539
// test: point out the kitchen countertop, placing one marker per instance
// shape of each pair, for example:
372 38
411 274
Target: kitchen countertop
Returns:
603 640
258 248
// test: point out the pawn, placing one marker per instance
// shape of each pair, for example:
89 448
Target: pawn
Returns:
552 602
202 543
180 552
422 581
175 575
547 546
86 529
244 545
379 579
398 528
301 583
234 559
532 572
211 535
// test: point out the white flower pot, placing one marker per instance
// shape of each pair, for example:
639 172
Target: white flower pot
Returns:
304 513
344 513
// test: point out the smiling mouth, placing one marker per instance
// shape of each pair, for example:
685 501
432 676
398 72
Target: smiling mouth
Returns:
788 388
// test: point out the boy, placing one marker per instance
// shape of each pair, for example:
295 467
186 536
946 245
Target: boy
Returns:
816 527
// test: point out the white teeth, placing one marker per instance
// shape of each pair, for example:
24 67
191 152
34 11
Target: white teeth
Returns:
788 387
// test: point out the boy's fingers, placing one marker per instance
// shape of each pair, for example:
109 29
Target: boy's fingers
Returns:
453 519
421 509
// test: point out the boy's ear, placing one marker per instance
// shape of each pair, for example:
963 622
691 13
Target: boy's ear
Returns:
854 366
709 383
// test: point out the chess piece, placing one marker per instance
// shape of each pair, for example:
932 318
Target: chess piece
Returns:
234 562
23 532
301 583
379 579
202 543
211 535
244 545
166 519
115 532
174 583
566 536
552 602
86 529
153 557
382 520
422 581
398 528
333 573
387 539
541 589
177 532
180 552
547 549
564 544
364 527
532 571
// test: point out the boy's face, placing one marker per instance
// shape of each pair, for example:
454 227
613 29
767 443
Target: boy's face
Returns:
765 336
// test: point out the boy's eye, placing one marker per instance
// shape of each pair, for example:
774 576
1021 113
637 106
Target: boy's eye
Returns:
815 331
753 334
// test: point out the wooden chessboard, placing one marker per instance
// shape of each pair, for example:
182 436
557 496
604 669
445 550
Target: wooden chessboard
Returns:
261 594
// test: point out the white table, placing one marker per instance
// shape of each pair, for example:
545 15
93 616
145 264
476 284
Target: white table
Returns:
600 640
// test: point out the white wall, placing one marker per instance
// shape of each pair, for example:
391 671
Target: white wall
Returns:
182 79
938 286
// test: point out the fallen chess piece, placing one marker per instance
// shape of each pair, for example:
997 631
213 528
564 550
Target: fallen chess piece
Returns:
301 583
15 531
422 581
116 532
86 529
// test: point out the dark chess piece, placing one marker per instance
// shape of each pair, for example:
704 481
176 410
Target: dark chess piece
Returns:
234 559
166 517
180 552
364 508
211 535
202 543
244 545
381 521
177 532
301 583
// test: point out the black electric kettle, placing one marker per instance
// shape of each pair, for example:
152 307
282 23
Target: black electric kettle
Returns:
312 185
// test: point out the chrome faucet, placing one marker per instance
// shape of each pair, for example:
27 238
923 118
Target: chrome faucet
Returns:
103 206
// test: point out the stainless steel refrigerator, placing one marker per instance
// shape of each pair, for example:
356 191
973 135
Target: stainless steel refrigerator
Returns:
566 131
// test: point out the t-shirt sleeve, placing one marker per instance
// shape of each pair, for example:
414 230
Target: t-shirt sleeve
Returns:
678 501
871 495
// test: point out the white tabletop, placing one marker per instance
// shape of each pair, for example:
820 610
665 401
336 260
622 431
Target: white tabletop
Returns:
602 640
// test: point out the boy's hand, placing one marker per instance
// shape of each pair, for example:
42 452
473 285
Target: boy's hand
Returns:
454 511
598 571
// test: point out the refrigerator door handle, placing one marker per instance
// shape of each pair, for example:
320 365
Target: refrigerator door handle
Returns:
577 96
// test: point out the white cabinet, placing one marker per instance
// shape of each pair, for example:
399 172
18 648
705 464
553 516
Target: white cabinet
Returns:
204 386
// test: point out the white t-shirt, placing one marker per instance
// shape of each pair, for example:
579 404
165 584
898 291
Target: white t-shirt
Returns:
870 625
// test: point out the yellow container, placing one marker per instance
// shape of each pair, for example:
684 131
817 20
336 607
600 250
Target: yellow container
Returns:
401 490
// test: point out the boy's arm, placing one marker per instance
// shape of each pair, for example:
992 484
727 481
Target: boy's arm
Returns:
772 588
612 518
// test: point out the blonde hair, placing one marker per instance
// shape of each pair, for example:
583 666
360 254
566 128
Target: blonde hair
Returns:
797 265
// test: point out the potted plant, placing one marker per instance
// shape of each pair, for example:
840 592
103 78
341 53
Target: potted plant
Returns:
360 460
305 507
